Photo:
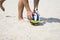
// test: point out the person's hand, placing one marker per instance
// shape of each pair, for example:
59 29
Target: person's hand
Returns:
29 15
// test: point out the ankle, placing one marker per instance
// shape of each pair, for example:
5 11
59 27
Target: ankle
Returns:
20 18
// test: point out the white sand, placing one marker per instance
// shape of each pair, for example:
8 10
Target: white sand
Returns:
12 29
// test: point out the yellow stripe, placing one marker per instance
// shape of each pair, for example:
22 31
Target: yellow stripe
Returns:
33 21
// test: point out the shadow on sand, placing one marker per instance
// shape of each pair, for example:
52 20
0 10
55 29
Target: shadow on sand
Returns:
48 20
45 20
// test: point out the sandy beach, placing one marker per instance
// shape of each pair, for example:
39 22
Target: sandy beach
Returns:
12 29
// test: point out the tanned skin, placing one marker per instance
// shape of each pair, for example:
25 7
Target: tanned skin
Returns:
1 5
24 3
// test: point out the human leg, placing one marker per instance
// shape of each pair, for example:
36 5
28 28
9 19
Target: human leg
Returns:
20 9
36 2
1 5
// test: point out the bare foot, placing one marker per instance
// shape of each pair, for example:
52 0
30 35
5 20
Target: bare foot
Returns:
1 3
2 8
